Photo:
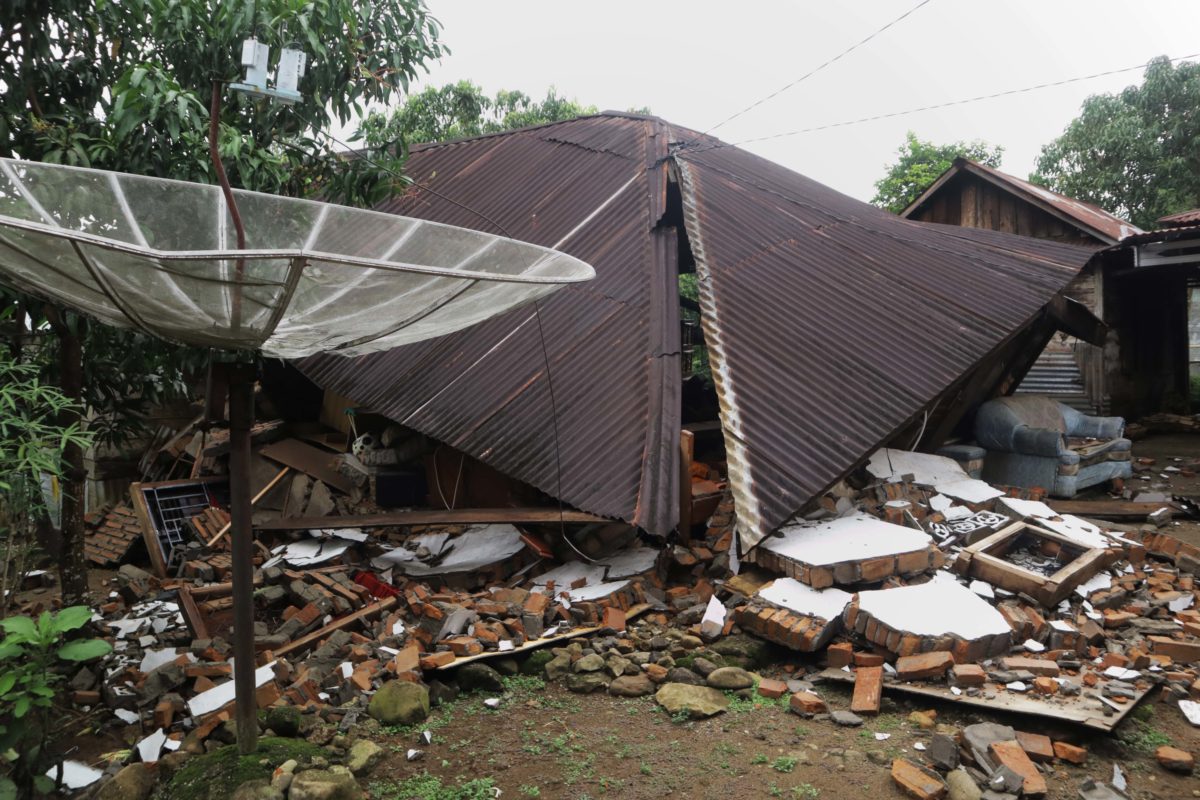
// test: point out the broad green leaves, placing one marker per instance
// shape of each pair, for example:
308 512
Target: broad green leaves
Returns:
84 650
1133 153
919 165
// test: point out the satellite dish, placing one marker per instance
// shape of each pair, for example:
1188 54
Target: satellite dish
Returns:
158 255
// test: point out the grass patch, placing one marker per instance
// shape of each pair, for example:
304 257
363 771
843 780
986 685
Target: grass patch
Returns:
430 787
216 775
1143 737
806 791
784 764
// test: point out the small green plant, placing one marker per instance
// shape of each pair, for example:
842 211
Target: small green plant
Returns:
430 787
644 768
806 791
775 791
784 764
759 758
1140 735
530 791
31 658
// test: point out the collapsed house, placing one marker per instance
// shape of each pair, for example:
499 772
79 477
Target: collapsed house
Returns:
831 326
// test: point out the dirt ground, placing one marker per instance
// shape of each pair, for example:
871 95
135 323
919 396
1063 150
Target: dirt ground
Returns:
546 742
1169 450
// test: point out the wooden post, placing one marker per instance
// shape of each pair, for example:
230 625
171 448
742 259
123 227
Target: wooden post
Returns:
687 448
241 415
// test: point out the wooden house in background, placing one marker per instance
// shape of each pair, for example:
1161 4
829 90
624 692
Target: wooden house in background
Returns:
972 195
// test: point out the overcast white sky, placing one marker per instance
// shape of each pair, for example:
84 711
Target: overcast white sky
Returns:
695 63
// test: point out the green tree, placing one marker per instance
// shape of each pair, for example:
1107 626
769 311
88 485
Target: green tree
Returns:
462 109
1135 153
127 85
920 163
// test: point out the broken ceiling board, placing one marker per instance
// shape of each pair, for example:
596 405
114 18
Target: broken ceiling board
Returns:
1085 710
851 549
312 461
945 475
939 615
991 560
479 547
630 561
569 574
1080 530
794 615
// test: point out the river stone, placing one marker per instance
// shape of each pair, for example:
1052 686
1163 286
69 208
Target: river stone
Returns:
730 678
364 754
400 703
749 651
695 701
321 784
846 718
631 686
589 663
587 682
284 720
558 667
684 675
479 677
134 782
259 789
961 786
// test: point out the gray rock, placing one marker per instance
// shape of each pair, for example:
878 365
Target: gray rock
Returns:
982 734
442 693
799 686
399 703
846 718
684 675
1092 789
479 677
618 665
589 663
506 666
587 682
134 782
694 701
558 667
702 666
961 786
942 752
259 789
631 686
1005 779
363 756
730 678
321 784
749 651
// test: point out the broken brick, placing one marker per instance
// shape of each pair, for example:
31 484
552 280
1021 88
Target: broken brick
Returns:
1037 746
868 690
969 675
1070 753
917 781
924 665
771 688
807 703
1012 756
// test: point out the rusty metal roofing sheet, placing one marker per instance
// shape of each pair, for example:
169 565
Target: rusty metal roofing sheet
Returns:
832 324
595 188
1092 219
1182 219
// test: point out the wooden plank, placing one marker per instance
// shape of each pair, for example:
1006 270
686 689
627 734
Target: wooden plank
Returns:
1081 710
1108 509
191 614
341 622
687 446
303 457
459 516
253 502
149 532
534 644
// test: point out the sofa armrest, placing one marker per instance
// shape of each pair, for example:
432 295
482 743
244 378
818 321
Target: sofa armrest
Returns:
1038 442
1098 427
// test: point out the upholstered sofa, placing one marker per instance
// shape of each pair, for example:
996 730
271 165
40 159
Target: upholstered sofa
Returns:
1036 441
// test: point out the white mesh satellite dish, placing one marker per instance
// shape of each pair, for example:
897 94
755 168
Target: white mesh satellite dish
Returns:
159 255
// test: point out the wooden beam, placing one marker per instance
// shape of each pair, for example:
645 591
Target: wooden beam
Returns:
304 642
1108 509
687 448
253 502
461 516
191 614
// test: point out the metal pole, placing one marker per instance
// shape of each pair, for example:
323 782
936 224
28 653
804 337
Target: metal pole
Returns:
241 414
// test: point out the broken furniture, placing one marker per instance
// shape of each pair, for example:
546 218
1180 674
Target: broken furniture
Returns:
1040 563
1035 441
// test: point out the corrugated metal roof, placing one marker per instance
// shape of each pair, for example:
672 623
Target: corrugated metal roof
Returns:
1182 219
1092 219
831 323
613 345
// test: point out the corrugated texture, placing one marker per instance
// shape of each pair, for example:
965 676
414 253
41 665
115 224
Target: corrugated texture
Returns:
831 324
589 187
1091 218
1182 219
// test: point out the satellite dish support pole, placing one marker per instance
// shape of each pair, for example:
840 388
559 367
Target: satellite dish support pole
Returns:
241 416
214 133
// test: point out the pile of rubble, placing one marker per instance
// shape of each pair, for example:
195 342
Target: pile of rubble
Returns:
910 577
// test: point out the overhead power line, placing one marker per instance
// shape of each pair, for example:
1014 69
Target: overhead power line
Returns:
817 69
946 104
